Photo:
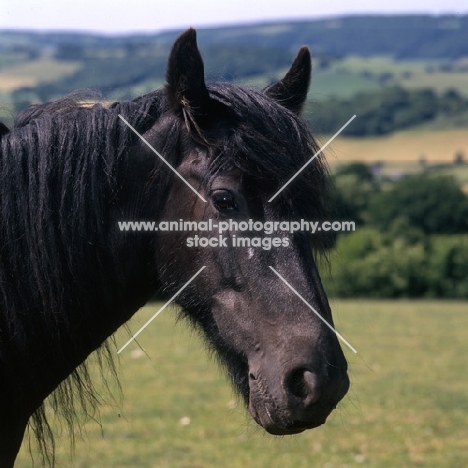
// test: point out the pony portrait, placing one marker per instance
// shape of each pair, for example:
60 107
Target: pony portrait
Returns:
69 278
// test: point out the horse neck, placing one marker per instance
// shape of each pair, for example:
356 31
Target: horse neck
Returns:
70 279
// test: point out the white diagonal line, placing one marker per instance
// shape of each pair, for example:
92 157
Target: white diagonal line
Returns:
161 309
162 159
315 312
312 158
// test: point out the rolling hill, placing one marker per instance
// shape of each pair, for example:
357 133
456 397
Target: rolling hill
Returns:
352 55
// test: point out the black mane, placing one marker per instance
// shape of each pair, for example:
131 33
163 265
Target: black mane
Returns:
58 170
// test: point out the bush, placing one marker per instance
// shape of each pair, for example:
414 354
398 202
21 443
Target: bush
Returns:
435 205
367 263
448 267
354 185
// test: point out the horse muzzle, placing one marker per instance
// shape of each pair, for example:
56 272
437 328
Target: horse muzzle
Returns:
303 400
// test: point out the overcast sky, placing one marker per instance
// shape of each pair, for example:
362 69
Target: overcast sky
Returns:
117 16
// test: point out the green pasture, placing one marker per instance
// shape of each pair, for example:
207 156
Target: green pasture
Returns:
408 403
382 64
439 81
339 83
352 74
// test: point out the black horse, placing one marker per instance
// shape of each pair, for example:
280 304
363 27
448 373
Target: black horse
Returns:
69 278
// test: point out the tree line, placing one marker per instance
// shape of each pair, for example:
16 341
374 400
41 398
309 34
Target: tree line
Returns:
411 240
384 111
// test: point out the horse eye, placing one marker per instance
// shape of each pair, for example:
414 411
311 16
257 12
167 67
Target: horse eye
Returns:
223 201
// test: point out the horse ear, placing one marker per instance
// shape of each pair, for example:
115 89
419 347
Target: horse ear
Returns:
185 75
291 91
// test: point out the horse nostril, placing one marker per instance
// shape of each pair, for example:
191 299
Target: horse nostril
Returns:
313 383
304 385
252 377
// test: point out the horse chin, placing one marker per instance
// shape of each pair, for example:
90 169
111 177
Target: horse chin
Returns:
284 421
280 426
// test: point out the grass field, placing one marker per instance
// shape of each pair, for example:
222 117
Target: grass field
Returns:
407 407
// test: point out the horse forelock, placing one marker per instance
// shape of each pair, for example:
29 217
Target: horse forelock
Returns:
270 143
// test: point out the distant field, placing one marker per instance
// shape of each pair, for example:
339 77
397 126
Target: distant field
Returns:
439 81
406 147
31 73
339 83
408 404
378 65
408 152
357 72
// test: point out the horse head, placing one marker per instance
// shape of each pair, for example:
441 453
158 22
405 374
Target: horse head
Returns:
236 147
